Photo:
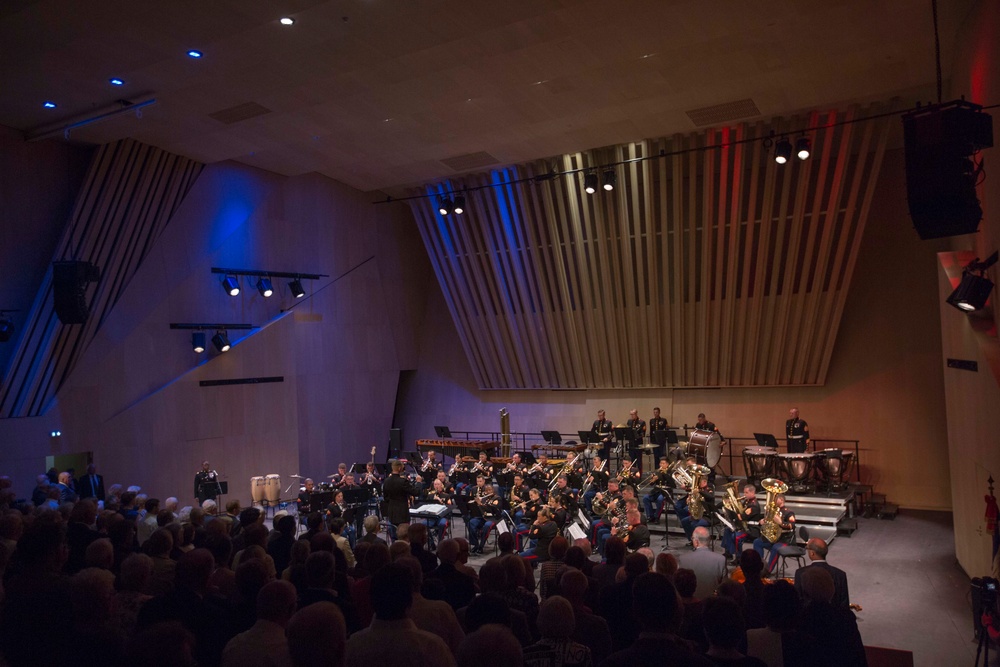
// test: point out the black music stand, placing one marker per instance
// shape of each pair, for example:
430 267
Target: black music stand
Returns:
551 437
381 469
625 437
414 460
359 468
766 440
442 431
528 458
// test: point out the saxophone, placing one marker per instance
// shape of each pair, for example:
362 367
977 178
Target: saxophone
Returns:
770 525
695 506
731 502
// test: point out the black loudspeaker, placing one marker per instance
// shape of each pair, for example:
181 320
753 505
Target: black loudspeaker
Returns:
395 443
940 175
69 290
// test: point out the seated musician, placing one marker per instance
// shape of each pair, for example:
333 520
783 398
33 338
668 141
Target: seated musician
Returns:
634 534
688 522
786 519
603 432
747 525
559 510
629 475
516 465
437 494
517 494
527 515
338 479
656 499
338 509
460 474
703 424
349 483
484 509
604 502
429 468
543 531
540 474
305 497
569 496
596 481
442 476
483 466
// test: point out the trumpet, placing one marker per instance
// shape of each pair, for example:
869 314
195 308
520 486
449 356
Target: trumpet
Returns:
536 468
454 467
510 467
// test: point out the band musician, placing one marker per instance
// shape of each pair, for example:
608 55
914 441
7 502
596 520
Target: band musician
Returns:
634 534
527 512
786 519
484 508
437 494
543 531
796 433
595 482
304 500
656 499
657 423
429 469
338 478
747 525
569 496
397 491
206 483
339 509
637 433
703 424
540 474
602 432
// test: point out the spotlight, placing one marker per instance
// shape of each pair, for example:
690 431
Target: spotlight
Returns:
610 179
56 434
287 20
445 206
803 148
264 287
198 341
49 105
590 183
115 81
231 284
974 290
195 54
296 287
221 341
459 205
782 151
6 330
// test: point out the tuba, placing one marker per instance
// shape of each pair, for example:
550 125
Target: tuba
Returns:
770 525
696 472
731 501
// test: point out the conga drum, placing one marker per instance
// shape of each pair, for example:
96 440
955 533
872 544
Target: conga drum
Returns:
758 462
705 446
797 470
272 488
257 488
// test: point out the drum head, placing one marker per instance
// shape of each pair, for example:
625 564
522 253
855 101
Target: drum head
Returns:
706 446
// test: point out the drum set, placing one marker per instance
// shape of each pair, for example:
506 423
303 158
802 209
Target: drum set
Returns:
827 470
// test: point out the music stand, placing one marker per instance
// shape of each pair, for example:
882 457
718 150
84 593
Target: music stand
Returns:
414 460
353 496
442 431
551 437
766 440
528 458
359 468
381 469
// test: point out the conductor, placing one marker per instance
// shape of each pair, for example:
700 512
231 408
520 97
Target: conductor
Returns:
206 483
397 491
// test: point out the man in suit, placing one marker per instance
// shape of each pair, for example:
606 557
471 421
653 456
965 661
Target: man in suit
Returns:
91 485
816 550
397 491
708 566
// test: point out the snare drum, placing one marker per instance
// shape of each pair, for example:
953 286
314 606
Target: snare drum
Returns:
705 446
257 489
272 488
758 462
797 470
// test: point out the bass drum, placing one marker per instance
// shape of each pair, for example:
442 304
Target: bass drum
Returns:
705 446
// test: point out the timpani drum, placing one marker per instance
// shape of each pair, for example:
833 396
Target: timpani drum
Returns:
832 466
758 462
272 488
257 488
797 470
705 446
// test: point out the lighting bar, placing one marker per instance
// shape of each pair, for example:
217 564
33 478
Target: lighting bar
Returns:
198 326
64 129
270 274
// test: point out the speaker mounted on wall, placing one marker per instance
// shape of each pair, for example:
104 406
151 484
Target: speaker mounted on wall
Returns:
69 290
941 174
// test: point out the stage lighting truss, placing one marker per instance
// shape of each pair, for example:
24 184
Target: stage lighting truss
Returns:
263 280
220 339
975 288
449 204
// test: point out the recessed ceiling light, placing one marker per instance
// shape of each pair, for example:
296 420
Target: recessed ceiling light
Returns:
386 120
287 20
647 55
540 82
49 105
195 54
115 81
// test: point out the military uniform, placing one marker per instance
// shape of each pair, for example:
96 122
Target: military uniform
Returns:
206 485
602 431
658 424
797 435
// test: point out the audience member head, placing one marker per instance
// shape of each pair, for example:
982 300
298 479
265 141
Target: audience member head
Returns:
337 526
416 573
491 645
170 504
665 564
723 623
221 547
636 564
817 585
160 543
300 552
505 542
317 635
11 526
487 609
251 576
398 549
286 526
447 551
137 571
700 537
322 542
210 507
584 544
43 546
558 548
371 524
314 521
128 499
751 564
321 570
152 507
575 557
492 577
276 602
418 534
403 532
233 508
686 582
781 605
376 558
614 551
193 570
556 619
164 518
391 592
92 591
256 534
463 549
573 586
252 515
85 512
816 549
650 558
100 554
734 591
513 567
655 603
161 645
197 517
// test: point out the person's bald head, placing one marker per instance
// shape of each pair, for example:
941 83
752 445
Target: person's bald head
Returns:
317 635
276 602
817 584
700 536
817 549
447 551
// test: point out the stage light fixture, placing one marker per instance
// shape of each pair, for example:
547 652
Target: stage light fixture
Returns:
590 183
782 150
198 341
264 286
459 206
6 329
287 20
610 179
445 206
193 53
221 341
296 287
115 81
803 148
231 284
974 290
49 105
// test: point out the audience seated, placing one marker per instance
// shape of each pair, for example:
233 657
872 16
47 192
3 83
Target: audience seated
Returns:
317 636
725 632
615 602
489 646
418 548
591 629
556 648
434 616
264 643
456 588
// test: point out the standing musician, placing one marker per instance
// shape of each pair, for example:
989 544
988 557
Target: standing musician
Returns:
634 534
337 479
437 494
786 519
638 429
747 525
596 481
206 483
397 491
603 432
796 433
656 499
484 517
657 423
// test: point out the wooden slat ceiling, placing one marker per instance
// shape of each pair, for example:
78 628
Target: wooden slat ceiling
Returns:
703 268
